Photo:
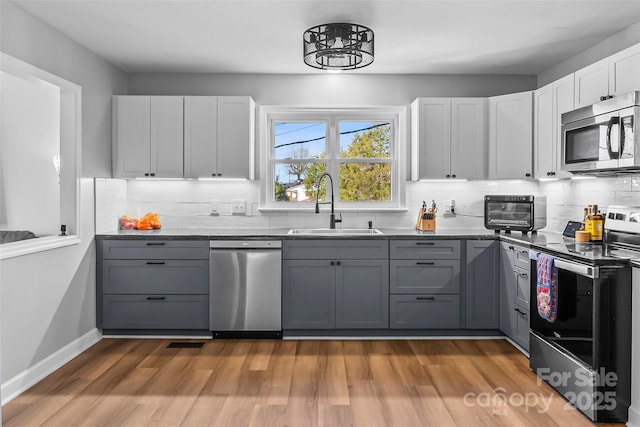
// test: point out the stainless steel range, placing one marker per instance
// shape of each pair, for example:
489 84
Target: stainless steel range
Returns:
584 349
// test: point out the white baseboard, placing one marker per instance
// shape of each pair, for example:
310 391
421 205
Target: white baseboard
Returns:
634 417
23 381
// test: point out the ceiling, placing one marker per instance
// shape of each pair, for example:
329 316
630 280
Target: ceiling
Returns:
263 36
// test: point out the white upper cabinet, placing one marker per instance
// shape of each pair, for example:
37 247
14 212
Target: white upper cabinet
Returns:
624 71
511 136
449 138
219 137
147 136
550 102
616 75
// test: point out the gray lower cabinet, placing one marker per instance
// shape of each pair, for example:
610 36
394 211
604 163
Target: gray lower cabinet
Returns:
152 285
482 290
424 311
335 293
514 293
424 282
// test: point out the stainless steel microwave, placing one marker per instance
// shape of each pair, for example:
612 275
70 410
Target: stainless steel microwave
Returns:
515 212
603 137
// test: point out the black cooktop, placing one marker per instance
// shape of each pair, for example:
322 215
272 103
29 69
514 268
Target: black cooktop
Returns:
591 253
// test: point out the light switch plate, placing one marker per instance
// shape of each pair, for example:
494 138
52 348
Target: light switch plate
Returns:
238 206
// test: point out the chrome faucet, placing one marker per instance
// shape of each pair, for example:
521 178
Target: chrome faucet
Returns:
332 217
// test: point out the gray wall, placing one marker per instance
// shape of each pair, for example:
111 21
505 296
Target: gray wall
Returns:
622 40
47 299
328 89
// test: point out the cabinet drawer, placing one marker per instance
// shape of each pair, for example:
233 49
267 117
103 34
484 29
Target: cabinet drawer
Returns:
424 249
521 335
155 249
517 255
155 312
155 277
523 286
424 312
335 249
418 276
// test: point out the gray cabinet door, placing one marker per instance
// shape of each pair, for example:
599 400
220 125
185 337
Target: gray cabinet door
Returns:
308 294
424 311
155 249
421 276
155 312
335 249
522 288
508 286
424 249
521 335
482 286
178 277
362 294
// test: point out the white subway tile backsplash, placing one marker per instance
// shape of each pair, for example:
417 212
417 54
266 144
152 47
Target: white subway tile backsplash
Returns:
185 203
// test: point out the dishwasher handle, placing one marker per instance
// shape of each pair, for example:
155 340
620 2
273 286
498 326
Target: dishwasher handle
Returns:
245 244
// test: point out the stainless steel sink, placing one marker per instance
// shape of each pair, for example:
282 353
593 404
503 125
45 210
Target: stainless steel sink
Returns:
335 231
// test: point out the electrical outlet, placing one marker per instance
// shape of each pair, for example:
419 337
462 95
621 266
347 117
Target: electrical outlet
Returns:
214 207
238 206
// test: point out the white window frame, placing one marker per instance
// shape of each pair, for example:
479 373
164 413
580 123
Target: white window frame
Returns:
270 114
70 160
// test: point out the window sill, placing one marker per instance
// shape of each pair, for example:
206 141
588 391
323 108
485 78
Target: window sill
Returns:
39 244
268 210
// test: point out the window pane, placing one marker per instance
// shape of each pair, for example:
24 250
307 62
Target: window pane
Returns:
365 182
365 139
300 140
296 181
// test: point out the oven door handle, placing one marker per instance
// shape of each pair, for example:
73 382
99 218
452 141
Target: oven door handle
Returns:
580 269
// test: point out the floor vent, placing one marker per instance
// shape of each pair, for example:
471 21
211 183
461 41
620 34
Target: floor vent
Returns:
185 345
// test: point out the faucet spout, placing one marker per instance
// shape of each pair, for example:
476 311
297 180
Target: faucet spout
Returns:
332 217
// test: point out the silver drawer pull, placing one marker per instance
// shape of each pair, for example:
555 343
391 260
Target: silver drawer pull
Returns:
155 243
155 262
425 298
156 298
425 263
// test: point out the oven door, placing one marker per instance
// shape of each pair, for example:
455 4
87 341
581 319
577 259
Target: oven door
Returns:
572 331
592 143
499 215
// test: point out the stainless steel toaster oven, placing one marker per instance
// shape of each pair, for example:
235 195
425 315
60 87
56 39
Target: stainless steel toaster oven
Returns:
515 212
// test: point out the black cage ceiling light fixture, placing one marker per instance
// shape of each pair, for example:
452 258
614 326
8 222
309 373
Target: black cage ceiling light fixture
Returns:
339 46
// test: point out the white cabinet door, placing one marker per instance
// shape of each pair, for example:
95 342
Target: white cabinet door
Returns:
236 134
431 135
563 101
201 136
592 83
219 137
166 136
543 131
624 71
131 136
511 136
468 138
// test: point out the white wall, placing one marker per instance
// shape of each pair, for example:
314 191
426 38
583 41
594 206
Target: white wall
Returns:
616 43
30 137
328 89
47 299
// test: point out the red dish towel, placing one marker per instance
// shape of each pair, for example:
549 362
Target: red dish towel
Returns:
547 288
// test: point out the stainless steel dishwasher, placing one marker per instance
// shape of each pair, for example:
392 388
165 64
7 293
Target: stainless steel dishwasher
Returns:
245 288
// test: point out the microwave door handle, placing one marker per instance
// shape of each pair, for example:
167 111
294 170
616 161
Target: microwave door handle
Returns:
582 270
612 121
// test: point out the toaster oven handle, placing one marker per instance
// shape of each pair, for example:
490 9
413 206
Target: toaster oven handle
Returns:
612 121
580 269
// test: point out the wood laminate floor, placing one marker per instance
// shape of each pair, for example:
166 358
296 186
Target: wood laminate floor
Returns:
133 382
